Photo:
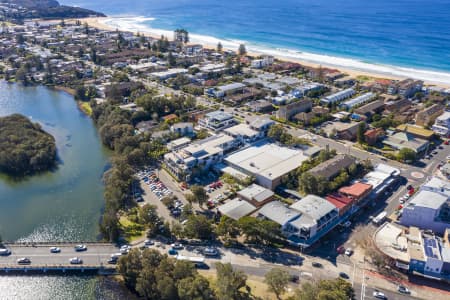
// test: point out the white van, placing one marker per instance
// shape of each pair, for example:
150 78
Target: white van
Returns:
5 252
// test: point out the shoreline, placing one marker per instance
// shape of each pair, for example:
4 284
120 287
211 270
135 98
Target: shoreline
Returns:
97 22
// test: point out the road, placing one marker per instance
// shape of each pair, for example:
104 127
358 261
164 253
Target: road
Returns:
40 255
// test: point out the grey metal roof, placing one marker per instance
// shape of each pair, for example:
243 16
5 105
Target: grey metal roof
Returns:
428 199
236 208
313 206
219 115
256 192
277 212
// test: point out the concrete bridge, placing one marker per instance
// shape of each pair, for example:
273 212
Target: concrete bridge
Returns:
95 258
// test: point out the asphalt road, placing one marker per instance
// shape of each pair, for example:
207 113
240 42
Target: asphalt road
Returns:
41 256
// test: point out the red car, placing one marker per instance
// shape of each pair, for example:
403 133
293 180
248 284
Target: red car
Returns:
340 249
446 142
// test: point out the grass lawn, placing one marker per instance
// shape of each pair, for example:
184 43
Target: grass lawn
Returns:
257 285
131 230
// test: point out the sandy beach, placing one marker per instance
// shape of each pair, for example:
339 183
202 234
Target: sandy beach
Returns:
100 23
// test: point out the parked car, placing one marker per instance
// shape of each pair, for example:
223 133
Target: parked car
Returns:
80 248
403 289
210 251
24 261
348 252
172 252
148 242
55 250
317 265
177 246
343 275
340 249
76 261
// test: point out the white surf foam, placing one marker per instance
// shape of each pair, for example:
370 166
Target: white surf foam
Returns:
139 24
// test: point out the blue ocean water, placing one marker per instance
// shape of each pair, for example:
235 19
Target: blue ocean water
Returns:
404 33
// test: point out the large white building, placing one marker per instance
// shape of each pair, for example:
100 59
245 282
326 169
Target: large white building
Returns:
339 96
217 120
267 162
200 154
442 124
367 97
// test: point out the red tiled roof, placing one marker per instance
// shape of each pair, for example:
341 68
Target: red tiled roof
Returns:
357 190
338 200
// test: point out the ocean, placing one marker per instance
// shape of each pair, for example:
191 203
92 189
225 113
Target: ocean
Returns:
399 38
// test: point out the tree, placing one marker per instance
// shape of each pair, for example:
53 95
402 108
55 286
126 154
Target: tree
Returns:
198 227
171 59
227 228
242 51
335 289
130 266
199 195
195 288
230 282
360 132
406 155
277 281
259 231
219 47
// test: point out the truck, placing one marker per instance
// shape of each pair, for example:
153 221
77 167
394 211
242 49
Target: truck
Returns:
379 218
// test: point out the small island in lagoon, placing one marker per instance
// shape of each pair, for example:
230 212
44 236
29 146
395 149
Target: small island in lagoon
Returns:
25 148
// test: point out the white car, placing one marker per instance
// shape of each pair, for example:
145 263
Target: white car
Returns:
76 261
348 252
55 250
379 295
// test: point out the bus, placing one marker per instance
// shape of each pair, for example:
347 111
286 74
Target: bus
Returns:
379 218
199 262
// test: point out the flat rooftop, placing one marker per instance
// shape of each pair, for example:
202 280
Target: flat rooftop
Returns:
390 240
256 193
314 206
242 130
267 159
427 199
236 208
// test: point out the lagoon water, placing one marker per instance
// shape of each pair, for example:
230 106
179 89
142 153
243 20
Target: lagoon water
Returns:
64 205
402 37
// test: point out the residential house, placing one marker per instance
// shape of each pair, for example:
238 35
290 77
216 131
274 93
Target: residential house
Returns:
427 116
372 136
226 90
367 97
262 125
183 128
217 121
370 108
332 167
337 97
260 106
285 112
402 140
442 124
416 131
